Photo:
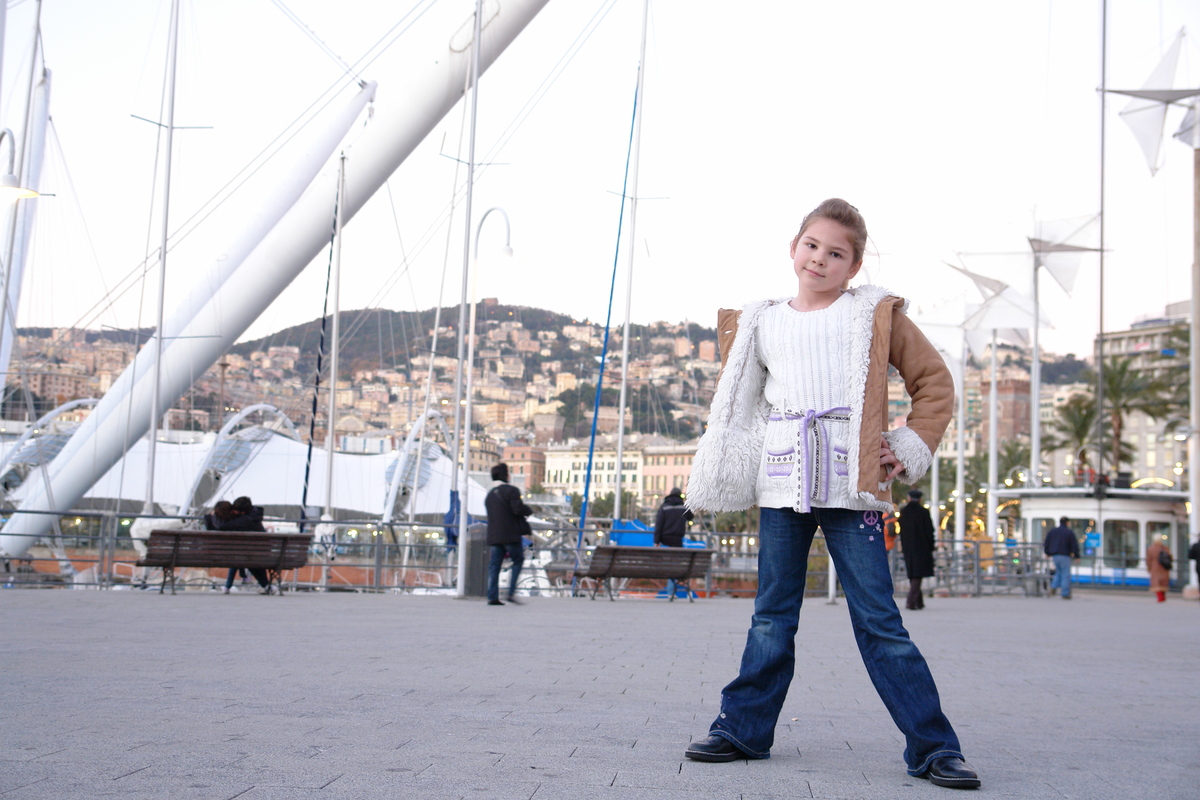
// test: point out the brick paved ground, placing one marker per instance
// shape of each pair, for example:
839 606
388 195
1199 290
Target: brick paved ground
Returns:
330 697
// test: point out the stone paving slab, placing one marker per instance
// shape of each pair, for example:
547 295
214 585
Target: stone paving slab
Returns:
128 694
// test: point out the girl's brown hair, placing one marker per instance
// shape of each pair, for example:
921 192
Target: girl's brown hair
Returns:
844 214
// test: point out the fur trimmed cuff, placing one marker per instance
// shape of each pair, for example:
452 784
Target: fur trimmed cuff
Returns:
911 451
724 472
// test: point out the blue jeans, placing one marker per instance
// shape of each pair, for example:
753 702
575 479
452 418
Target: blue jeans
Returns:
750 705
516 552
1062 575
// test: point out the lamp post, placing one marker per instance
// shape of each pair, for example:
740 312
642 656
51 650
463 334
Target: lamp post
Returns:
468 367
1008 481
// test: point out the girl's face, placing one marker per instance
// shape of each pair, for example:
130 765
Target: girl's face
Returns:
823 258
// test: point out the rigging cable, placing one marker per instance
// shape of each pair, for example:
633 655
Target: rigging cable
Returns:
587 481
497 147
311 34
312 422
258 161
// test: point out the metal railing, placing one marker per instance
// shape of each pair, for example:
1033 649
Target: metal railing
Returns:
94 550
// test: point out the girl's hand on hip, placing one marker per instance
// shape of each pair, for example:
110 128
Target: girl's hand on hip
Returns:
888 460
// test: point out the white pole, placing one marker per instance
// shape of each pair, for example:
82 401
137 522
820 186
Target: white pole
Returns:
335 335
1193 589
935 474
428 91
993 444
831 595
468 404
960 476
330 425
463 442
639 101
1035 391
156 397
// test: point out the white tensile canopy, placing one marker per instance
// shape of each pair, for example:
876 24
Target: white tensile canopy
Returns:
273 478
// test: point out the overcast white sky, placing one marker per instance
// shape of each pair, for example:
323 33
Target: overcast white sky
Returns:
953 126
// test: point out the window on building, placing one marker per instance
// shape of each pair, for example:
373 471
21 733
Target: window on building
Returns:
1120 543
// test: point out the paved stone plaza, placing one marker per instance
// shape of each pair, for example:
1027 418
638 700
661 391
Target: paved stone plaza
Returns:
128 694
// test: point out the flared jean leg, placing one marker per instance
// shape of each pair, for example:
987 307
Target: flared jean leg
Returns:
751 703
894 664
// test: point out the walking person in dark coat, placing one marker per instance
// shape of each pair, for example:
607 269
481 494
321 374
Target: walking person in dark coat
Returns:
1194 555
670 525
916 544
506 524
1062 546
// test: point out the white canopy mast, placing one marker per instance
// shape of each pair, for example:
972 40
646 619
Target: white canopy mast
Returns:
196 336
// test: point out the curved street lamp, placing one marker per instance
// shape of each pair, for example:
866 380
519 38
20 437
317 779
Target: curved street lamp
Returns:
465 433
10 188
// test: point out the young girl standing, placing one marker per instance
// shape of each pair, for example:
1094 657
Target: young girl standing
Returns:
798 426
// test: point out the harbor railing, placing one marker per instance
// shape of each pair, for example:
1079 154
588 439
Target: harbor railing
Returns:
95 550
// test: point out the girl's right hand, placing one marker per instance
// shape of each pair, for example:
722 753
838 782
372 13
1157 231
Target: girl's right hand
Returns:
888 460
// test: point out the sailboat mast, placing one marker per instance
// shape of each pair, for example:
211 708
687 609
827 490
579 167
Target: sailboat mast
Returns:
330 433
462 438
1100 471
156 395
633 200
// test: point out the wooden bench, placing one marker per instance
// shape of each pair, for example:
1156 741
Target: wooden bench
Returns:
273 552
679 564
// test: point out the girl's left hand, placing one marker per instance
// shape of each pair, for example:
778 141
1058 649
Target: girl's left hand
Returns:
888 460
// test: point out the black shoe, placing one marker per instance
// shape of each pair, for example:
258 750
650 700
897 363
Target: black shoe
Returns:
495 603
951 771
714 748
513 600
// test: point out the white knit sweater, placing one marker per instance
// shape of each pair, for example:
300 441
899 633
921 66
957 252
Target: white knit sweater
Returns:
805 452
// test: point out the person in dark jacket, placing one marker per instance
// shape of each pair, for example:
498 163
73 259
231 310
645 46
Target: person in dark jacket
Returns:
1194 555
248 517
506 524
217 520
916 544
671 523
1062 546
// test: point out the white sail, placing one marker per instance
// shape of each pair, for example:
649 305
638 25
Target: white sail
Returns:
22 229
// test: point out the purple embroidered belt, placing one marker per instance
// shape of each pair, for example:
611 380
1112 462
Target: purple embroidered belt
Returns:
816 451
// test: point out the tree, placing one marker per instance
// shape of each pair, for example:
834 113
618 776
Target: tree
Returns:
602 506
1126 390
1074 429
1174 360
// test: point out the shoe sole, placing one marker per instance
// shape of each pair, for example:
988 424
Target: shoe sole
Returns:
953 783
703 755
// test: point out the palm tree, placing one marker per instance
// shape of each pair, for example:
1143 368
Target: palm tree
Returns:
1172 362
1074 429
1126 390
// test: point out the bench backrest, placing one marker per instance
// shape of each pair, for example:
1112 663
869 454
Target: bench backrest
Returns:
677 563
226 549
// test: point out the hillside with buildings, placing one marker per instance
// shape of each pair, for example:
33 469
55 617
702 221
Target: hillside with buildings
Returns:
534 386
